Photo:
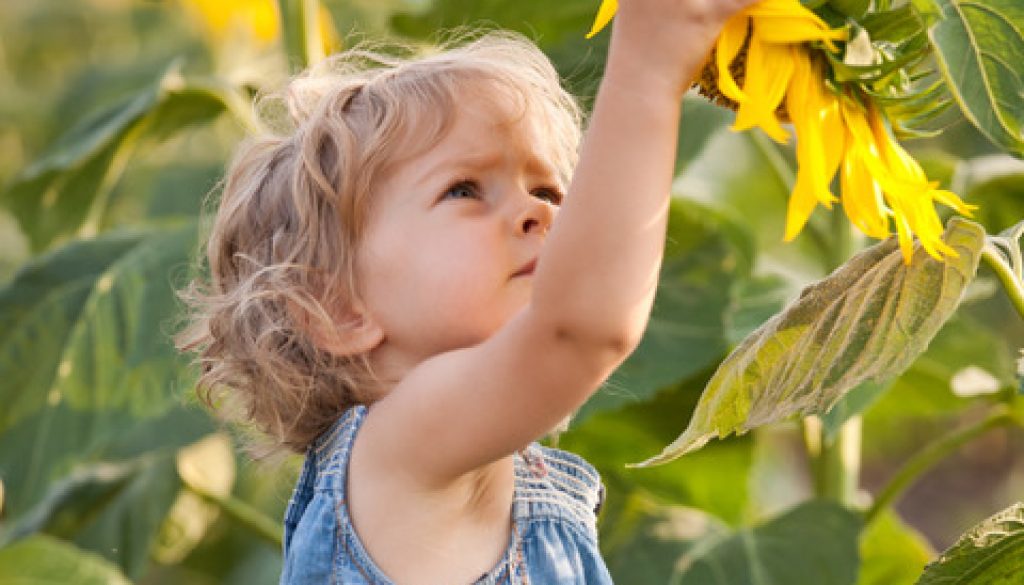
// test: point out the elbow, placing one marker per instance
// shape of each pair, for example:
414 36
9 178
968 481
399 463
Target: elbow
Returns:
612 343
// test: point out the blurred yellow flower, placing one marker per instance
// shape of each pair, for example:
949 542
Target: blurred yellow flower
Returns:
260 18
835 133
220 17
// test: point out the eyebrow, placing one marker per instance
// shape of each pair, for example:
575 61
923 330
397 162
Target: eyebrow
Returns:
534 166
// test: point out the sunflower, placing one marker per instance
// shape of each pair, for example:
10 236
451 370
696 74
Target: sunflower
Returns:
838 128
260 19
219 17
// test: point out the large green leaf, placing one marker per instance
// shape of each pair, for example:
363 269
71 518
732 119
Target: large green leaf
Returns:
813 544
112 509
54 195
42 560
89 351
649 540
37 312
867 321
687 329
126 529
979 46
991 553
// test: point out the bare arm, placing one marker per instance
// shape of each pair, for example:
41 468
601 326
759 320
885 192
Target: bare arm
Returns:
596 276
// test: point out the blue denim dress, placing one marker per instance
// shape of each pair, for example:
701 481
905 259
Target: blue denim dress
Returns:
554 510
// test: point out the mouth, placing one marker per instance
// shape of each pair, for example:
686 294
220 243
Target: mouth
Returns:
526 269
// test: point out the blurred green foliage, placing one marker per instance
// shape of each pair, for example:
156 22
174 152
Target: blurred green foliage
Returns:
118 118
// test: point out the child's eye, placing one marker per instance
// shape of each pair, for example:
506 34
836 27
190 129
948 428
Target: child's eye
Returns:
551 194
462 190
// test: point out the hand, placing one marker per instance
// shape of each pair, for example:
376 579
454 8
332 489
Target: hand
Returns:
668 39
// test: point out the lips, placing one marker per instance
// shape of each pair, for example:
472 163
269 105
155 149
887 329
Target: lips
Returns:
526 269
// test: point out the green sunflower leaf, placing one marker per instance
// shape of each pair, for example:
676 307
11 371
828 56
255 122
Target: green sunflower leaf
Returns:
815 542
991 553
868 320
979 46
43 559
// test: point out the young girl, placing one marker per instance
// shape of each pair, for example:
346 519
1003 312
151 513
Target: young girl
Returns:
417 281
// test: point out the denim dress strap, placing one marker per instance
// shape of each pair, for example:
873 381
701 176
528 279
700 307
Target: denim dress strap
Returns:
557 497
553 539
320 542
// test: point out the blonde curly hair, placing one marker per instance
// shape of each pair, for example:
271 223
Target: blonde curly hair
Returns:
293 209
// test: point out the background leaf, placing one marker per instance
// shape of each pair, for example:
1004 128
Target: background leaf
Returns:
979 46
54 195
42 559
650 541
813 544
103 368
892 553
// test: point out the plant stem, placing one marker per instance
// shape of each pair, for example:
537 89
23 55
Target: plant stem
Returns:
931 455
242 513
301 30
1014 289
840 463
836 463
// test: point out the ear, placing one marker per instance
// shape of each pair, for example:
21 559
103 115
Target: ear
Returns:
353 331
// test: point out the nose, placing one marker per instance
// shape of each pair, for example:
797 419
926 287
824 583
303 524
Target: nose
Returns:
535 216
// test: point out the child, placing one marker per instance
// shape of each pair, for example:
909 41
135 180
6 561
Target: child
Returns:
402 292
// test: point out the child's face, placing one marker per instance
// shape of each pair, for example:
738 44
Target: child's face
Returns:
452 228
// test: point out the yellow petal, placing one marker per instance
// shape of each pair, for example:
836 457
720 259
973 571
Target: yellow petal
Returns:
905 239
729 43
832 128
769 69
951 199
779 8
605 13
788 21
799 31
802 202
862 198
791 30
820 134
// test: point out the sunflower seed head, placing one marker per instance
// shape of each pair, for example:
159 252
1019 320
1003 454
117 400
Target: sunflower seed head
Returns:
707 82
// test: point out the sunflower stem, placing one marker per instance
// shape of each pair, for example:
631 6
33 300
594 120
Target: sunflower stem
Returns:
835 463
302 32
931 455
1007 277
